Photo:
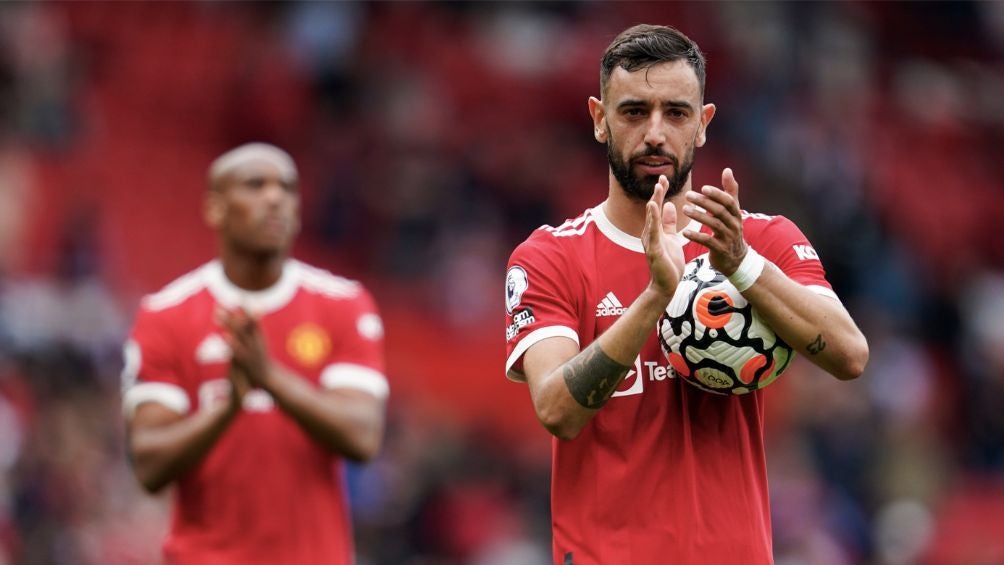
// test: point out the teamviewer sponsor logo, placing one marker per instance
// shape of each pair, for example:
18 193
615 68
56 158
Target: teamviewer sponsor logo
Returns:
610 306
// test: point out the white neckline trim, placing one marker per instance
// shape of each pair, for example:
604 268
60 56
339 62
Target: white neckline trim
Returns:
264 301
626 240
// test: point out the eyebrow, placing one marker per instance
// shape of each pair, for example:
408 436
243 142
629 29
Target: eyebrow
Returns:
636 103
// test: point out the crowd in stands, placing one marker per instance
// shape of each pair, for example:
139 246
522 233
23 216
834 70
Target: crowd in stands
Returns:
433 138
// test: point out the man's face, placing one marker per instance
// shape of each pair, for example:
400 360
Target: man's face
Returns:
651 120
639 184
260 205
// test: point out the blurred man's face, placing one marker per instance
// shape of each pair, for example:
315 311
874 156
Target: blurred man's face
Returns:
260 200
653 119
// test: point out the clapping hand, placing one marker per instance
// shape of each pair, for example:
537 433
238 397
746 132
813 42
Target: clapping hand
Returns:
722 214
662 248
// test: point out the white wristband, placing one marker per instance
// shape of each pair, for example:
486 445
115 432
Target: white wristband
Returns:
749 270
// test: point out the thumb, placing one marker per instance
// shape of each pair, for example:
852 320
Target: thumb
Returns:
729 183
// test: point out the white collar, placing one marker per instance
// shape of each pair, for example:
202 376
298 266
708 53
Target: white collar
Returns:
626 240
263 301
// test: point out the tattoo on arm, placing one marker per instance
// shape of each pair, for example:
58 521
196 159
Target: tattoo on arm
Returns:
817 345
592 376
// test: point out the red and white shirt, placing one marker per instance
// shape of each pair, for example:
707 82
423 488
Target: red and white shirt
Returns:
664 473
265 492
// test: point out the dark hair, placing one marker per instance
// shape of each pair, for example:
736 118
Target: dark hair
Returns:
645 45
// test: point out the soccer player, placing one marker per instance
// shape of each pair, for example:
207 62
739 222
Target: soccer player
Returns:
647 469
249 380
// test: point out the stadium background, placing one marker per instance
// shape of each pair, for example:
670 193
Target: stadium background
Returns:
434 137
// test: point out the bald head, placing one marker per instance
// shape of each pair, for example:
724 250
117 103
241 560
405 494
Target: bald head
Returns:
239 156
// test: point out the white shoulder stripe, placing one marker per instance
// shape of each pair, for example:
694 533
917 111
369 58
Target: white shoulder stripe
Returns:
358 377
573 228
324 282
572 224
171 396
177 291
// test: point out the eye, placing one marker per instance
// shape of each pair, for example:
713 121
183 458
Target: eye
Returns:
255 183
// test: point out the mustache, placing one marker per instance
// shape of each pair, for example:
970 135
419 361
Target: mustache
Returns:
656 152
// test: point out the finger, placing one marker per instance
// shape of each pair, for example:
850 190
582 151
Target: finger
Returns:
701 203
652 215
709 205
242 323
730 184
222 316
659 192
705 239
237 349
721 197
669 219
718 227
236 319
650 233
228 324
252 314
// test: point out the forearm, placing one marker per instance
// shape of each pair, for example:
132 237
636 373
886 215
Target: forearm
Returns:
344 422
814 325
574 391
161 454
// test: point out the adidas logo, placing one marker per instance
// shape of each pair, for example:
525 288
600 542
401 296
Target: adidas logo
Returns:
610 306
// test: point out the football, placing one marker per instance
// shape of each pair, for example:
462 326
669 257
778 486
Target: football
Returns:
714 339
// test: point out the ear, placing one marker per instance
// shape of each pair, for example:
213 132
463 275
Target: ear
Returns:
599 116
213 209
707 112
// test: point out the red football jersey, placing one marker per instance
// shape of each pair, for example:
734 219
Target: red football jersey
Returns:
265 492
664 473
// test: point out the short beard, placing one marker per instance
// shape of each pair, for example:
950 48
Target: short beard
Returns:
641 187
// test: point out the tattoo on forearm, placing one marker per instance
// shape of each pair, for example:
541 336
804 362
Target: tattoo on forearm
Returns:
817 345
592 376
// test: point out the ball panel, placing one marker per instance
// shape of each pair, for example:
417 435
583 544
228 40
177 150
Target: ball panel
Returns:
748 373
678 364
713 309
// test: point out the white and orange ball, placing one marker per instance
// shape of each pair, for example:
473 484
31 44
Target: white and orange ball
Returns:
714 339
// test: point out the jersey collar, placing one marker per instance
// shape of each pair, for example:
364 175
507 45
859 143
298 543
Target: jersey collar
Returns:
229 295
626 240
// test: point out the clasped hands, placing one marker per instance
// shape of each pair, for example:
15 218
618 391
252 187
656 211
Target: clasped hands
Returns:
250 363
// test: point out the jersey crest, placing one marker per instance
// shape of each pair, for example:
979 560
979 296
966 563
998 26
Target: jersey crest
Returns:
309 344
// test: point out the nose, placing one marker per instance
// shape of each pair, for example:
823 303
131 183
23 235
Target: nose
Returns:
274 193
655 133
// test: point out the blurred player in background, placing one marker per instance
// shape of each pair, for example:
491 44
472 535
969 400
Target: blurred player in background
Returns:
250 379
648 470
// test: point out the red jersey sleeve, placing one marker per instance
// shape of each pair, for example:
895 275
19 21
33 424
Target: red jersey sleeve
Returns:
150 371
539 299
357 358
779 240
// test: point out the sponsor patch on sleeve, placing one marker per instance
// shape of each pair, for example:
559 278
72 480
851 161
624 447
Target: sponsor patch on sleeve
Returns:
520 319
